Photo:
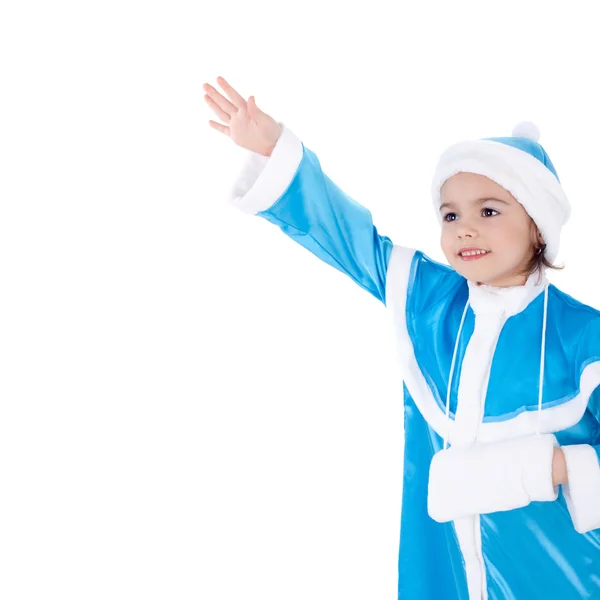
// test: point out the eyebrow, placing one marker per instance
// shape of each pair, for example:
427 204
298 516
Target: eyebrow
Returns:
478 201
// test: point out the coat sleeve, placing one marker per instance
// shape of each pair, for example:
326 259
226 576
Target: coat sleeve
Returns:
290 190
582 492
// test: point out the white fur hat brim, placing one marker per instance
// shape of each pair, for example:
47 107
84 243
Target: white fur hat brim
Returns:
525 177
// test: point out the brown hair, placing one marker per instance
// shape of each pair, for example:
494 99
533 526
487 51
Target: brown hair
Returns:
538 258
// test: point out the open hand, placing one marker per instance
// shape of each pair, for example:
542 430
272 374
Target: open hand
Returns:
246 125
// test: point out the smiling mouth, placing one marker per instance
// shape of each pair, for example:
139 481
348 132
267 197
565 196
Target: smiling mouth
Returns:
473 254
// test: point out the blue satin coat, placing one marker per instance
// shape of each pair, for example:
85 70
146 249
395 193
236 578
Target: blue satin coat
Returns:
528 553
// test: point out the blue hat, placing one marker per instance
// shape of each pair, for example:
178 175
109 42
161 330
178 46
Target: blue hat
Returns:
520 165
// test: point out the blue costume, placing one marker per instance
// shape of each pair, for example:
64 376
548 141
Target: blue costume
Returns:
499 375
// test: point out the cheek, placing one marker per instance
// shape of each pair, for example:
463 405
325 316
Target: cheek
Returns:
514 239
510 232
521 237
446 242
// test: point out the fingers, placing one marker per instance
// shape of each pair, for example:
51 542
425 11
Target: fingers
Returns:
218 110
220 100
233 95
222 128
253 110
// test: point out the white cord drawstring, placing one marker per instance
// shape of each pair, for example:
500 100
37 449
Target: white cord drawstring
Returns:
447 434
542 357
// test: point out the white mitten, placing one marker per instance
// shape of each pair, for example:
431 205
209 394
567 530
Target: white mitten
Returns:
492 477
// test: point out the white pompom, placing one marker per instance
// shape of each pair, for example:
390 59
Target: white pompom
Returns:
528 130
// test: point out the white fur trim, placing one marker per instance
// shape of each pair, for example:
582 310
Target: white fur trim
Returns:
472 387
525 177
487 478
263 180
551 419
468 533
582 493
485 299
398 273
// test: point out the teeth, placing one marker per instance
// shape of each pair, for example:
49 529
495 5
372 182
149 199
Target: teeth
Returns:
473 252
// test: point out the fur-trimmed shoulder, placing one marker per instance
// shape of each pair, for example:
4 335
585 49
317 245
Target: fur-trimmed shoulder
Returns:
431 283
579 322
573 303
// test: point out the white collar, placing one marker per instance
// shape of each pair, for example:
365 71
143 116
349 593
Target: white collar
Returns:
507 300
499 303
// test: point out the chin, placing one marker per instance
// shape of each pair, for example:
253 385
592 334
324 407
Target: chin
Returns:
483 272
477 273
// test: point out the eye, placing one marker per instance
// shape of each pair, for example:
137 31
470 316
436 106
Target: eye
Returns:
490 210
449 215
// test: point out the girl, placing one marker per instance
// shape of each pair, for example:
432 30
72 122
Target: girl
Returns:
501 491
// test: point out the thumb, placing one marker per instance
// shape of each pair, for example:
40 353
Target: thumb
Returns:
252 108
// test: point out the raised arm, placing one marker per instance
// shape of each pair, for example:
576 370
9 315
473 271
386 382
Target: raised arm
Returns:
282 181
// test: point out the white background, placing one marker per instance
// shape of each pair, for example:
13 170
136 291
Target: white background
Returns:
191 404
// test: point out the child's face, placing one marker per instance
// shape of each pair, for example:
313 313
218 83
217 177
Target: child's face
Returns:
478 213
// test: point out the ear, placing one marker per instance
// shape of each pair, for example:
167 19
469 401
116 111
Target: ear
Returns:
537 234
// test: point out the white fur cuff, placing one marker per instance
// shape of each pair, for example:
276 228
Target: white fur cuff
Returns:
582 493
263 180
486 478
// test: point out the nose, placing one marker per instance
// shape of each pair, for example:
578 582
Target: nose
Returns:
466 230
